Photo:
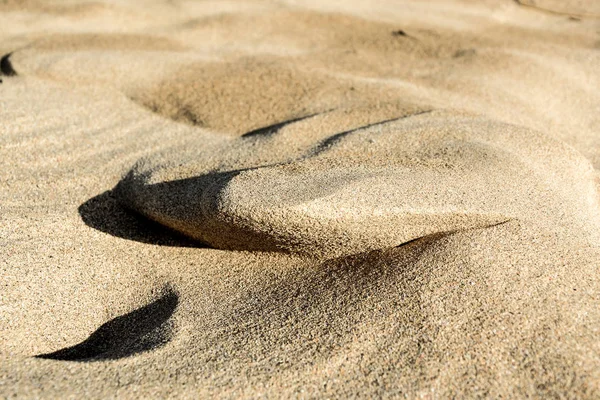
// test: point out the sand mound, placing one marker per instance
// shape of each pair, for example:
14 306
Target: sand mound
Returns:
366 188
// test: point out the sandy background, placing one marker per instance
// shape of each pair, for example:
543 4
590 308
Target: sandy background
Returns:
397 200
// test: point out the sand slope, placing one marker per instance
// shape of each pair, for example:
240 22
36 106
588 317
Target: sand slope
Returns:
341 200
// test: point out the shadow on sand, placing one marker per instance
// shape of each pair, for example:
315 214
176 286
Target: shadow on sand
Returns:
104 213
141 330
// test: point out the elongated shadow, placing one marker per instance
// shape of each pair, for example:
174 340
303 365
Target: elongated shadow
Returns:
141 330
271 129
104 213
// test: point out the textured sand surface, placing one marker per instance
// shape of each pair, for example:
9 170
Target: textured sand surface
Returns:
300 199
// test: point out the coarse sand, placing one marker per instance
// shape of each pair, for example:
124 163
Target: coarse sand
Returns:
285 199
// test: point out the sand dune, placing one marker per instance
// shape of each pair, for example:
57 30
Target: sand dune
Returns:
299 199
365 189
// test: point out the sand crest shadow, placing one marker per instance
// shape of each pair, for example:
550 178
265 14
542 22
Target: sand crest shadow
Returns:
141 330
6 67
104 213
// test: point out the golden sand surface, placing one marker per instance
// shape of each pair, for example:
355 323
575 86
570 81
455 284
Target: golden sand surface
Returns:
300 199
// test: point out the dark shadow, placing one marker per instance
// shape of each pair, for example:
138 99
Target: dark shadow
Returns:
271 129
104 213
6 67
141 330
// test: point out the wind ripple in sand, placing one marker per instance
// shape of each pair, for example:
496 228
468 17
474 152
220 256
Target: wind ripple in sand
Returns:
333 194
575 8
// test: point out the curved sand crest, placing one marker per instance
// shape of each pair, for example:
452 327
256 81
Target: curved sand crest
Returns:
339 193
580 8
115 60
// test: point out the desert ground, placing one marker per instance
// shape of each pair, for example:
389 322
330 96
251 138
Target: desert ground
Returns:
300 199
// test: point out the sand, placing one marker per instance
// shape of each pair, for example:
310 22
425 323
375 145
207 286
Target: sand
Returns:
244 199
